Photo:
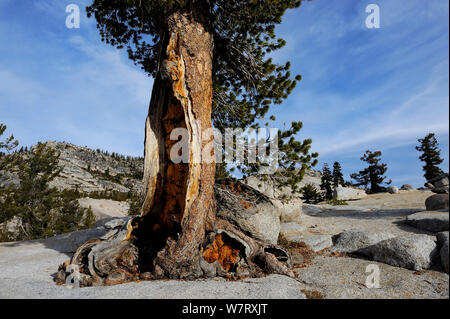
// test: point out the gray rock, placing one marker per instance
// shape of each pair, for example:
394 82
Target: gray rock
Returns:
259 217
393 190
314 242
406 187
105 208
290 210
429 220
12 227
348 193
443 243
288 230
437 202
415 252
441 182
116 222
353 241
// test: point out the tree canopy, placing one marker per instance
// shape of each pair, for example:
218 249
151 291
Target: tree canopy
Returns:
246 81
430 156
373 174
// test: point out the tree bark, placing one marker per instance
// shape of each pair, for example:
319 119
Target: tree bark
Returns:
179 198
177 234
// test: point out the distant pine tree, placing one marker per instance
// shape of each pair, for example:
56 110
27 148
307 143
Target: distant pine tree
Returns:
338 178
327 181
430 156
373 174
6 146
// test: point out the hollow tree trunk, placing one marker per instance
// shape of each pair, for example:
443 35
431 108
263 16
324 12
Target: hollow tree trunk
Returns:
179 198
177 234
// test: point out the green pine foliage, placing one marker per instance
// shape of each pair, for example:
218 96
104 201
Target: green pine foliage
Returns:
338 177
431 156
327 182
6 147
310 194
373 174
42 210
246 81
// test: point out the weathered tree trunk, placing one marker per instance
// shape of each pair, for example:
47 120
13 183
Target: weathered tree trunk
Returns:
177 234
179 198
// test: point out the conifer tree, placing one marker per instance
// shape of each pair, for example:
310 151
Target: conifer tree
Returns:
338 178
6 146
431 156
373 174
211 67
42 210
327 181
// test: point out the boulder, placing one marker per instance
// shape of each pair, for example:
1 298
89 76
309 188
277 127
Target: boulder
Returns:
443 243
415 252
429 220
393 190
314 242
353 241
406 187
249 210
289 210
348 193
439 184
112 223
289 230
437 202
12 227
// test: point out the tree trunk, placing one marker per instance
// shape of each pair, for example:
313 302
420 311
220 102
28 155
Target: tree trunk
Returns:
179 198
177 234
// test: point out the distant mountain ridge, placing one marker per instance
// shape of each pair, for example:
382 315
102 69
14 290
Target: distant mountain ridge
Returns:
90 171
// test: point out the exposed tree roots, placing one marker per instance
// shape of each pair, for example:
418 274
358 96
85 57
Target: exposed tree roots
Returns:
120 257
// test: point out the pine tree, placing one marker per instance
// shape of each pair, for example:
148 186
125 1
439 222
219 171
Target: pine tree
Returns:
6 147
430 156
310 194
373 174
338 177
326 181
43 211
211 67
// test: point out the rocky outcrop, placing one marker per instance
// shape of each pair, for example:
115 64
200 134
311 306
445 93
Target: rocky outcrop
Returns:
415 252
105 208
288 203
249 210
437 202
90 171
354 241
290 230
439 184
429 220
348 193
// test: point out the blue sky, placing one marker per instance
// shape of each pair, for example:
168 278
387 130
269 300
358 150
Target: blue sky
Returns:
377 89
